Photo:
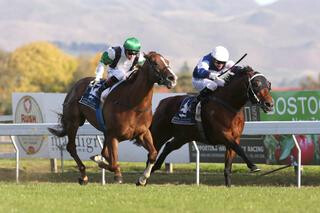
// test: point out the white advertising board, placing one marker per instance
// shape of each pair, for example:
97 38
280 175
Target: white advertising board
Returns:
43 108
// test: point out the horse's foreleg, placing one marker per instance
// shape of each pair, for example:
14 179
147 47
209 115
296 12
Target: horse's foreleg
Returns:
147 142
237 148
229 155
113 166
71 147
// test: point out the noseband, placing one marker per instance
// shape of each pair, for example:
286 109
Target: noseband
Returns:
251 93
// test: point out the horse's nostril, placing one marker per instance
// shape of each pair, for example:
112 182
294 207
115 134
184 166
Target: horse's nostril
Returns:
171 78
269 104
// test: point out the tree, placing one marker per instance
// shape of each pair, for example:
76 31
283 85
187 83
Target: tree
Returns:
5 83
310 83
40 66
86 67
184 83
185 68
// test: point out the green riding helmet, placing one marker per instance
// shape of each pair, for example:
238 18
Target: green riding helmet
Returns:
132 44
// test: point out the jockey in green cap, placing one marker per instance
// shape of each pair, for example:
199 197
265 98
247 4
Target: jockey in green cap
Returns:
121 60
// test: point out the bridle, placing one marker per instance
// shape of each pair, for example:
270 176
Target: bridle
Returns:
251 94
159 73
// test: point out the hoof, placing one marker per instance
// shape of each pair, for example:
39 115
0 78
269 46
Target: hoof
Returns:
83 181
95 158
118 179
254 169
141 182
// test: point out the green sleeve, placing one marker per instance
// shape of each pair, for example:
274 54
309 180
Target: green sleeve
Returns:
105 58
141 59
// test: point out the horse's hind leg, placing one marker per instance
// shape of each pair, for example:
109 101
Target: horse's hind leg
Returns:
237 148
110 153
71 147
229 155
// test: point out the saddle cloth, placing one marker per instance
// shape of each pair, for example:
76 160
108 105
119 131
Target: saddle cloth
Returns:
91 96
185 114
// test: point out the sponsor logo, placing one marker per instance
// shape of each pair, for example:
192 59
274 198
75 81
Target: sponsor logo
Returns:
28 111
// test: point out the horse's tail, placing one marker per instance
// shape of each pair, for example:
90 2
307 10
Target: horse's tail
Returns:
61 128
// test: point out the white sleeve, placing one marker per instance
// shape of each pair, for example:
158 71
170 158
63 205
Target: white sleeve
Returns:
99 71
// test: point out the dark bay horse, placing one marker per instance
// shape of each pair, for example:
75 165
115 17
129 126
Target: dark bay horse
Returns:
127 114
222 118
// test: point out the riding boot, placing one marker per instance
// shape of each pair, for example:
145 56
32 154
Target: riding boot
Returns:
200 97
109 83
203 94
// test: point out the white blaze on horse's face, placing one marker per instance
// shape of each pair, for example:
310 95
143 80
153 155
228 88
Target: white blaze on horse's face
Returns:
174 80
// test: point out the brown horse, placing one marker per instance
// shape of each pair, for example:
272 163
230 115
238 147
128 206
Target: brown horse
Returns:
222 118
127 114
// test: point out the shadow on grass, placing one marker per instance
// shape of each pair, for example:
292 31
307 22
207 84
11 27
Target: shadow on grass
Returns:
239 178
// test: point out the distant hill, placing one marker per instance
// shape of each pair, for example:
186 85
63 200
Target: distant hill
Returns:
281 39
75 48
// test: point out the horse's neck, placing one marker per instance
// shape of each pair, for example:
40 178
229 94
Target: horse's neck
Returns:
235 95
141 89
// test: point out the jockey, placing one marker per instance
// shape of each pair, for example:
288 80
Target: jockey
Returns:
121 60
205 77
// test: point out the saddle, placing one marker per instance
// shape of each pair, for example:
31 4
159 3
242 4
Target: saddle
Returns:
186 112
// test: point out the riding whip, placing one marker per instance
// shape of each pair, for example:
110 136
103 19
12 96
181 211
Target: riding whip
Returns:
234 64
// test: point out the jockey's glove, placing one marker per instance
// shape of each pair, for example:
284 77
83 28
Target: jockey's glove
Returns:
213 76
93 82
226 75
220 81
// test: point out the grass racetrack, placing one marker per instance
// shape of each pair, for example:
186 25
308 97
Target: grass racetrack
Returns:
40 190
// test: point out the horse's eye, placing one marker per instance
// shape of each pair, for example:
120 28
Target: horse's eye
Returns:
256 84
154 63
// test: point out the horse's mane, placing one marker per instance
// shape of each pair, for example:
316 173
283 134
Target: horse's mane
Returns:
239 72
137 67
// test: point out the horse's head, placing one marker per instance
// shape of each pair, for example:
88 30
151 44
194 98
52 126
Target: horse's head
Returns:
259 90
257 86
161 71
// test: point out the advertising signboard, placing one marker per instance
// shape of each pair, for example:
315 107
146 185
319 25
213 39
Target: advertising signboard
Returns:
44 108
293 106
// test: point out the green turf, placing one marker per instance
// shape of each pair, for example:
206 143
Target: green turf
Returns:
40 190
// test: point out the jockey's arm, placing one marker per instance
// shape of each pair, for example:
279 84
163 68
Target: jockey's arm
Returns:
141 59
201 70
106 59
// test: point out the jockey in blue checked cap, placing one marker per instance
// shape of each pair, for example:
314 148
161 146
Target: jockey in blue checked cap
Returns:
205 77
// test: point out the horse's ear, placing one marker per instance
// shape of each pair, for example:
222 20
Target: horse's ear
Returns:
146 56
269 85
